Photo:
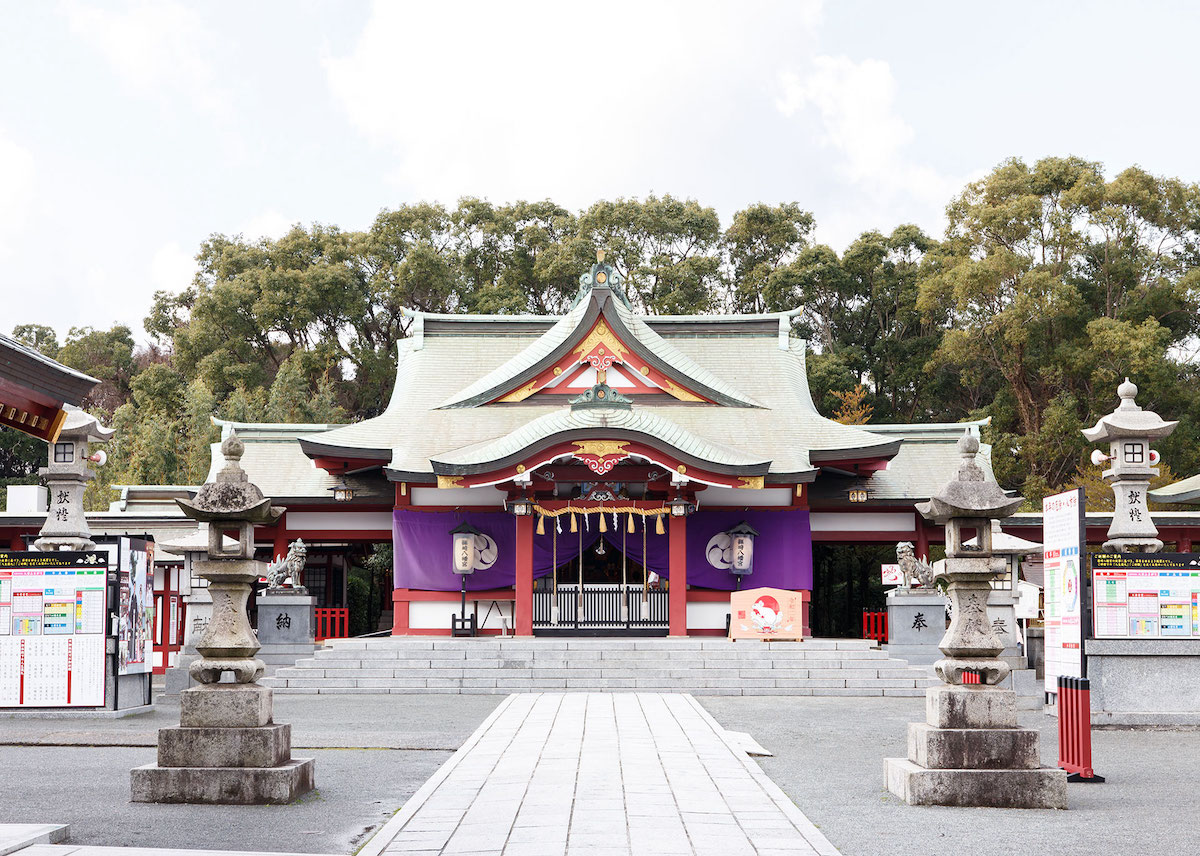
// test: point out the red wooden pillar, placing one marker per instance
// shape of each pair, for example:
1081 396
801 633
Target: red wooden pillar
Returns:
523 608
16 544
922 540
281 542
400 612
677 576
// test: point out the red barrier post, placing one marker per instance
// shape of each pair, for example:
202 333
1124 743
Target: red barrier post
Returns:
1075 729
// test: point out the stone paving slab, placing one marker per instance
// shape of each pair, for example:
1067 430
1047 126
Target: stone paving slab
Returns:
91 850
15 836
600 773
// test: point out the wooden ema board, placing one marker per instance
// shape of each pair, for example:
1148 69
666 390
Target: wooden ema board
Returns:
766 614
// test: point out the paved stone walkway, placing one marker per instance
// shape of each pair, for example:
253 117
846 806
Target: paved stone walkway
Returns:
613 773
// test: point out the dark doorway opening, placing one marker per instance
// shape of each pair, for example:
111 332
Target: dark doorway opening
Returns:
846 580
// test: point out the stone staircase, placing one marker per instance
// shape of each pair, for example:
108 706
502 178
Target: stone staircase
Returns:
401 664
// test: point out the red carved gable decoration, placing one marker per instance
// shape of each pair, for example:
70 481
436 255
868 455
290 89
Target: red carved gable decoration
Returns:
600 354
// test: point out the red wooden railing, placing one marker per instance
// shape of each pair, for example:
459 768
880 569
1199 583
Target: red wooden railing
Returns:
1075 729
332 623
875 626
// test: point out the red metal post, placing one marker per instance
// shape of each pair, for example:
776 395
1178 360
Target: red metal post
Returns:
677 564
523 608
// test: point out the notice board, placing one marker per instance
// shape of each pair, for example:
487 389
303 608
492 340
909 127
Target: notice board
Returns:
1062 550
52 614
1146 596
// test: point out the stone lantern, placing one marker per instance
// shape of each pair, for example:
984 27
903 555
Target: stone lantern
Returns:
969 751
227 748
66 475
1128 431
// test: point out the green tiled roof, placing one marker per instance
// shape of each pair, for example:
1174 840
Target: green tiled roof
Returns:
625 423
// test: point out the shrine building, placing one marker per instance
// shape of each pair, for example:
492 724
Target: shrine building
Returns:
603 461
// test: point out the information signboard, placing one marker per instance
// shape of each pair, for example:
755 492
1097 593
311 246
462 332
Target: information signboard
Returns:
52 608
1063 534
1146 595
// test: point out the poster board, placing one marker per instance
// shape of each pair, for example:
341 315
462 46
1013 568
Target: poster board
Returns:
1063 532
891 575
1146 596
766 613
52 615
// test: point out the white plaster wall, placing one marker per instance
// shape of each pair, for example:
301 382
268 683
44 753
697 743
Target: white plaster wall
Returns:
436 614
452 496
707 616
880 521
779 497
356 521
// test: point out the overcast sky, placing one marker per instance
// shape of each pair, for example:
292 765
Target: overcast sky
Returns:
130 132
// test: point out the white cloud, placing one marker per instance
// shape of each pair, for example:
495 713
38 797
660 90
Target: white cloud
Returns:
572 101
156 48
172 267
855 105
268 224
16 193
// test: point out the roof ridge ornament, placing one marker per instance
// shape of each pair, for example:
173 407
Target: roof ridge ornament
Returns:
601 395
602 275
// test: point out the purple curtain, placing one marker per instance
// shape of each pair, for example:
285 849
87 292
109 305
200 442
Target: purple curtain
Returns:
422 547
782 550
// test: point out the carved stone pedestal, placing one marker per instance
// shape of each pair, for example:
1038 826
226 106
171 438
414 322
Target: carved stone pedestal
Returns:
286 626
226 751
970 752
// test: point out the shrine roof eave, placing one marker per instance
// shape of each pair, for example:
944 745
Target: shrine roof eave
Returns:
38 373
879 452
317 449
1183 491
616 423
484 463
780 479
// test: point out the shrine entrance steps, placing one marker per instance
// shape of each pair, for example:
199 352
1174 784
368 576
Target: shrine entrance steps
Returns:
412 664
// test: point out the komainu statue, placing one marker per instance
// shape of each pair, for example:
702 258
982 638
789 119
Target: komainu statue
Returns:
289 568
916 572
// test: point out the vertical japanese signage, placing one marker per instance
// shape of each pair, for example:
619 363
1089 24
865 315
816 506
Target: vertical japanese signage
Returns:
1063 534
52 608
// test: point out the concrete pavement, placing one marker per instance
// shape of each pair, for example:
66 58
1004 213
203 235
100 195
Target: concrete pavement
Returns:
828 760
619 774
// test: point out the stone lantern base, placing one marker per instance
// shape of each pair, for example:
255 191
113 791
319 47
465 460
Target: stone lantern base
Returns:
970 752
225 751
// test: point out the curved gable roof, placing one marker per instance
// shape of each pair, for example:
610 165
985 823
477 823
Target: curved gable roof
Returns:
599 300
564 425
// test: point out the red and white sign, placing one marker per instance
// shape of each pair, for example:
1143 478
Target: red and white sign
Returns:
766 613
892 575
1062 540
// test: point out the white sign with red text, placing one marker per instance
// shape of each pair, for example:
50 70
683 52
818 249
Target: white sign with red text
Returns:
1062 545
